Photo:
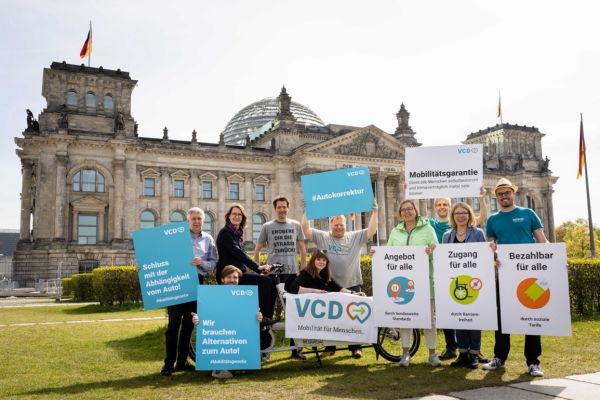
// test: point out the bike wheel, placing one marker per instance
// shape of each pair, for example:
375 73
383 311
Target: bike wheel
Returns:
389 343
192 349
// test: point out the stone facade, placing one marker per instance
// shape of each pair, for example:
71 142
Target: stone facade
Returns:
89 180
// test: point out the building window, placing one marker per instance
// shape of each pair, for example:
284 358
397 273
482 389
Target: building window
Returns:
177 216
147 219
260 192
86 266
494 204
207 190
476 205
530 202
257 222
72 98
87 229
209 223
149 185
90 100
234 191
178 188
88 180
108 102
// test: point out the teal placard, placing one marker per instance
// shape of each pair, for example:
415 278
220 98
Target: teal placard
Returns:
227 335
164 256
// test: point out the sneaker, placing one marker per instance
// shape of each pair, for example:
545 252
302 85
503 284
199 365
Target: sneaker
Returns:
493 365
405 360
482 359
535 370
356 353
434 360
461 361
166 371
222 374
185 367
473 361
265 357
447 354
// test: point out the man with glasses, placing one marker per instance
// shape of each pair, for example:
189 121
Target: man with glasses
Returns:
343 250
513 225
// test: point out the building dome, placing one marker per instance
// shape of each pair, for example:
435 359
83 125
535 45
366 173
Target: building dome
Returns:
256 118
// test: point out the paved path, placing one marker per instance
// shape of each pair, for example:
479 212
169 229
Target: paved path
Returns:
573 387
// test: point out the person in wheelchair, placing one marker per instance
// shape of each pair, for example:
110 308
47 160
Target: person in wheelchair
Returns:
230 275
317 278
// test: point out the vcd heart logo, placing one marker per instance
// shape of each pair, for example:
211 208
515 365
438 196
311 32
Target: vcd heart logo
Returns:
358 311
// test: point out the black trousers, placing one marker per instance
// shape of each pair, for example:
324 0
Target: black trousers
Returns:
179 332
264 291
533 343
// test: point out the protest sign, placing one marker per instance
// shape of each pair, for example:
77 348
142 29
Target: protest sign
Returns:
465 286
401 292
330 316
534 289
164 257
227 335
444 171
337 192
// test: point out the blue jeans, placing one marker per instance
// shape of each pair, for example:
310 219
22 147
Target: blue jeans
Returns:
450 335
468 340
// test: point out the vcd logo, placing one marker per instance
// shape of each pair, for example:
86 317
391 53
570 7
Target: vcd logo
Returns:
356 173
172 231
318 309
463 150
240 292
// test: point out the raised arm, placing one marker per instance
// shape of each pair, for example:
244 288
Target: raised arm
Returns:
308 232
484 209
373 222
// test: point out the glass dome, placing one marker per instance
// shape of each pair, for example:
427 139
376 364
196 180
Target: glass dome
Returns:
256 118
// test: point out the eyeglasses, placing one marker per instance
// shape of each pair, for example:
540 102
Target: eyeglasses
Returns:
236 215
407 209
504 194
461 213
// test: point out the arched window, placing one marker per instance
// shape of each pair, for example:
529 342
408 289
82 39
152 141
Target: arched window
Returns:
147 219
209 224
177 216
257 222
88 180
108 102
90 99
72 97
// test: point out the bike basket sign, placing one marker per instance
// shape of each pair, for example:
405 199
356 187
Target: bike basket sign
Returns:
534 289
227 335
465 287
337 192
330 316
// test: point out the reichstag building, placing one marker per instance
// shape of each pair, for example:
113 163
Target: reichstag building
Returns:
89 179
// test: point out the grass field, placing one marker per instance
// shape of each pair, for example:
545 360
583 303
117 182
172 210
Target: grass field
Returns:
121 359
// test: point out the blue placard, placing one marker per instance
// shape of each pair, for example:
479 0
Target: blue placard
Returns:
337 192
227 336
164 256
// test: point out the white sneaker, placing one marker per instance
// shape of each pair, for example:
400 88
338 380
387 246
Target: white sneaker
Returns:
535 370
494 364
405 360
222 374
434 360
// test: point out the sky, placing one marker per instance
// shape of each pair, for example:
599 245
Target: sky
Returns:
352 62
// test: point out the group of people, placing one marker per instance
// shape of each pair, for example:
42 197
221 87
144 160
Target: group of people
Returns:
335 267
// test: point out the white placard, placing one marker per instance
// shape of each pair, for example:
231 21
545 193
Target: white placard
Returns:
444 171
330 316
465 286
534 289
401 292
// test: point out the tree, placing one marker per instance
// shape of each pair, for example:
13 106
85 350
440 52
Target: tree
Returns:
577 238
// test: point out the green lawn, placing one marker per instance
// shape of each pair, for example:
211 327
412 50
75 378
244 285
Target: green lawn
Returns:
121 360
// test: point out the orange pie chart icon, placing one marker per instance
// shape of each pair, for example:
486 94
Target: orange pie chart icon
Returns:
533 293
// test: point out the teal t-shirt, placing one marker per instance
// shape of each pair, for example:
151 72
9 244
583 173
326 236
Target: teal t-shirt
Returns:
440 227
513 227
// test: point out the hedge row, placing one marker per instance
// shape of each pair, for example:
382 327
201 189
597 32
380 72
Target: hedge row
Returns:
584 286
108 285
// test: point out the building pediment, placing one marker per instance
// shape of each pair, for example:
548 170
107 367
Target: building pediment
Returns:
150 172
235 178
208 176
261 179
179 174
89 203
369 141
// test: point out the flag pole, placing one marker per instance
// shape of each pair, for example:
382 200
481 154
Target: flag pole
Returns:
500 106
90 53
587 192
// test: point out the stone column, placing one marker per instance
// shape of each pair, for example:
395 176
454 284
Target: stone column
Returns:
248 201
26 169
381 225
101 227
131 197
222 196
547 194
194 188
165 190
118 166
61 197
75 227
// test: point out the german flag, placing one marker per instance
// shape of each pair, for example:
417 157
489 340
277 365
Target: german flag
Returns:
86 50
581 150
